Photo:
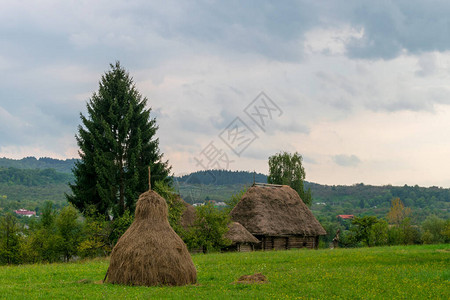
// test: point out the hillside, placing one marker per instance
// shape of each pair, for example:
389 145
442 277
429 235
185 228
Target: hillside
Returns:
328 201
221 177
63 166
361 199
29 182
30 188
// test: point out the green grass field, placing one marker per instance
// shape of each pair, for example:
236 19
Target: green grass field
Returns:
413 272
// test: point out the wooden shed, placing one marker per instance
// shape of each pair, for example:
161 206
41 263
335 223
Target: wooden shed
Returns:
241 239
278 218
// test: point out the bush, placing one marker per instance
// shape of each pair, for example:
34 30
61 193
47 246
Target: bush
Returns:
209 229
69 229
435 228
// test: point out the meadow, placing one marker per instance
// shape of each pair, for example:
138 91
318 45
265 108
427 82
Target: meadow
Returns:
403 272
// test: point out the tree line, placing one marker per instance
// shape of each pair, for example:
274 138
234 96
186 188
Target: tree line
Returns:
59 236
31 162
33 177
393 229
221 177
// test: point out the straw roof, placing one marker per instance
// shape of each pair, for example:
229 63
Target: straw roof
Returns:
275 211
150 252
238 234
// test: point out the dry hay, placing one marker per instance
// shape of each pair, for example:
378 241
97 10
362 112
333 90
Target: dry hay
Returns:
238 234
150 253
275 212
188 215
255 278
84 281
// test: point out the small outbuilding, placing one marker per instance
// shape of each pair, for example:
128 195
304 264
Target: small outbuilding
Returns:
278 218
241 239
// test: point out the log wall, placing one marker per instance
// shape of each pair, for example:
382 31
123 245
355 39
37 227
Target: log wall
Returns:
287 242
245 247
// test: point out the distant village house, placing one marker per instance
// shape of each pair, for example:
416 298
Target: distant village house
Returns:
345 217
24 212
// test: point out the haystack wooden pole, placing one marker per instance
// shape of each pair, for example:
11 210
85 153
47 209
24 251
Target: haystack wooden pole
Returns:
106 275
149 182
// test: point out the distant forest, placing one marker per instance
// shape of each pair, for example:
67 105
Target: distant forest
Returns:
29 182
63 166
33 177
328 200
221 177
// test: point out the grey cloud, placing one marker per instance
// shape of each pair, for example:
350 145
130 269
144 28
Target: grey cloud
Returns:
391 26
264 27
346 160
273 30
144 35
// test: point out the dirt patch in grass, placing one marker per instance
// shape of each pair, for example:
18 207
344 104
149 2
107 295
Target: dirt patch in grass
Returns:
255 278
443 250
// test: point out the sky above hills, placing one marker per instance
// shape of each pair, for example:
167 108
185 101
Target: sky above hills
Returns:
359 88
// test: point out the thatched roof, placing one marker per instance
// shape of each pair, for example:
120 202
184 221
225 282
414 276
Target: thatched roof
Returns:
238 234
150 252
275 211
189 213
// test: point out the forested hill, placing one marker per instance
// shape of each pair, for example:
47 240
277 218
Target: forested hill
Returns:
64 166
33 177
328 200
368 195
361 199
29 182
31 188
221 177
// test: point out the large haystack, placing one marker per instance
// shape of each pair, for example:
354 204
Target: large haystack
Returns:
150 252
278 217
241 239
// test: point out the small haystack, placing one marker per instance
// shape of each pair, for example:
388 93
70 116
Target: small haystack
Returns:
188 215
150 253
241 239
278 218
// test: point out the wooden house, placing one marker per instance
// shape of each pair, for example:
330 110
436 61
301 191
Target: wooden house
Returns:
278 218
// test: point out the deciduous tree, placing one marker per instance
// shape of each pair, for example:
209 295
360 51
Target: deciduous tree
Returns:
286 168
398 212
70 230
9 240
209 229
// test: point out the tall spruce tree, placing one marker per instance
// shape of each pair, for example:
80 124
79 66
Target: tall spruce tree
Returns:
117 145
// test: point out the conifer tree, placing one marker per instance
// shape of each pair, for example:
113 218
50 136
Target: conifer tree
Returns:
117 144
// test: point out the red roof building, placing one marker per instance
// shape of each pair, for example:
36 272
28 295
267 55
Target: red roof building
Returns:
346 217
24 212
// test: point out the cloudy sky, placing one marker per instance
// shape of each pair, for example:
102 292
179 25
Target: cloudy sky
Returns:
360 88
